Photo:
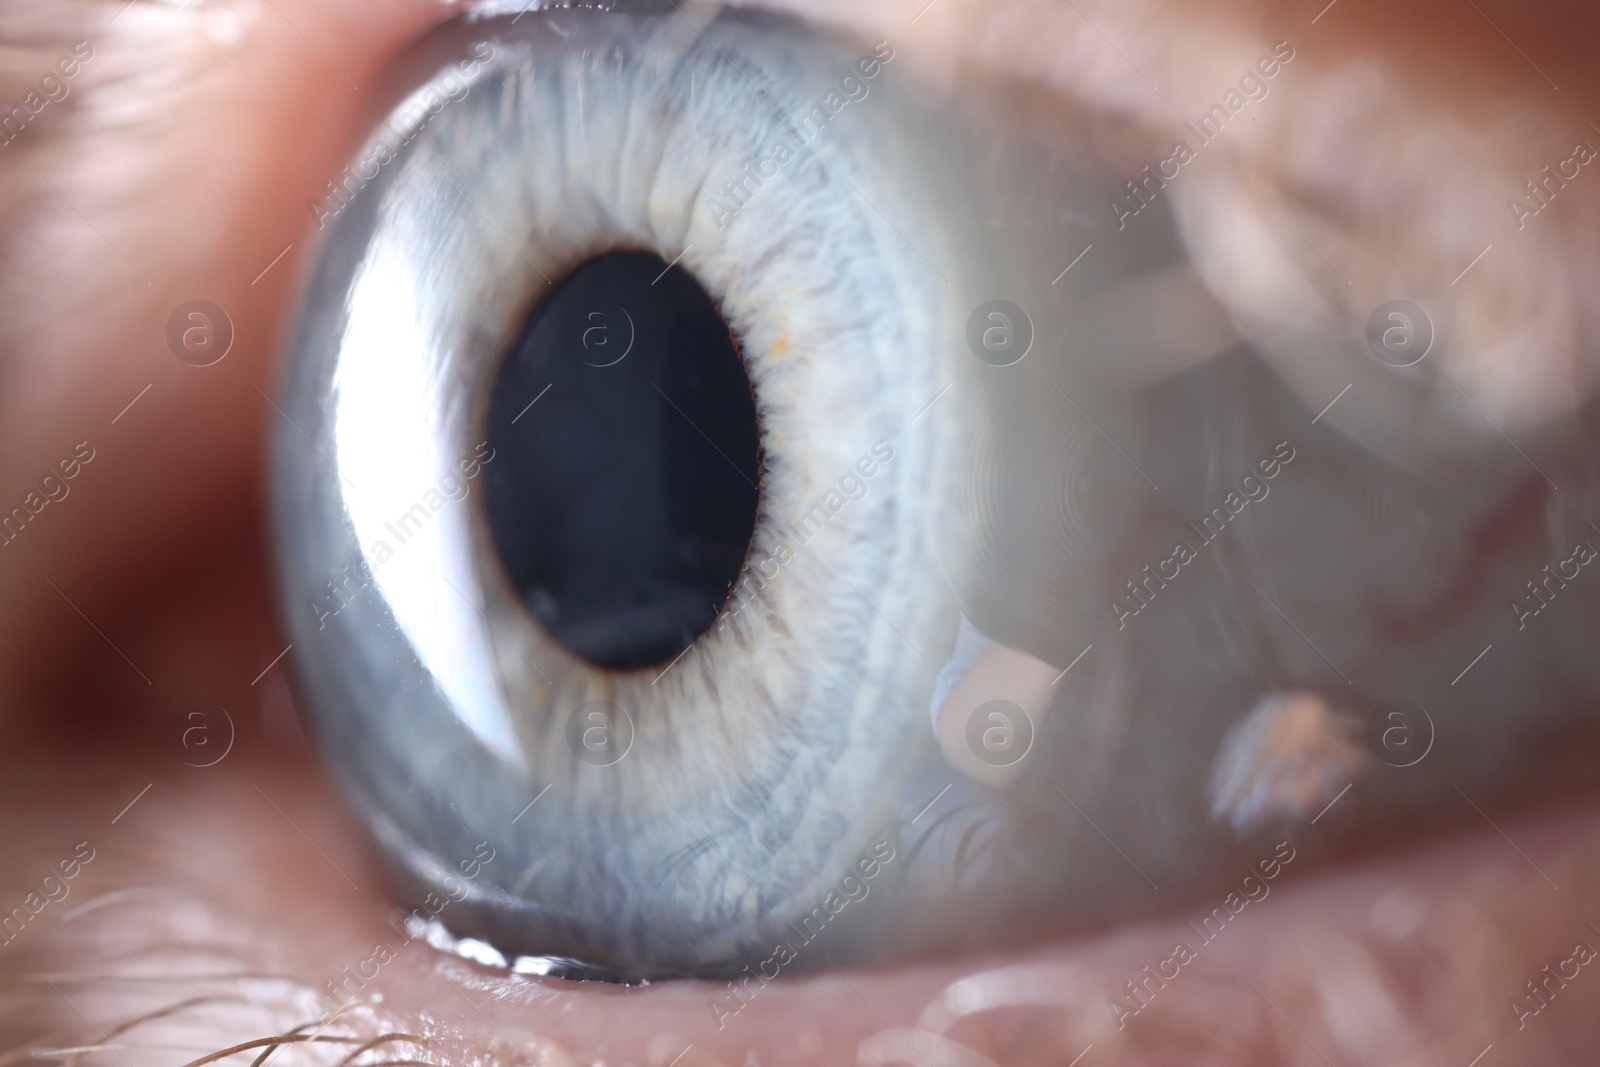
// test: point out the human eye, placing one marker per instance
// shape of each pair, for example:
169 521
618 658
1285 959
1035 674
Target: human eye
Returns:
1001 552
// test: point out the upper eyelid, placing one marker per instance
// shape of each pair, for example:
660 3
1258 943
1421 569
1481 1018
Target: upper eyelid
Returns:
196 38
126 91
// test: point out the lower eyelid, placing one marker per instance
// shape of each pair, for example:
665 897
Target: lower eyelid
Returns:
267 930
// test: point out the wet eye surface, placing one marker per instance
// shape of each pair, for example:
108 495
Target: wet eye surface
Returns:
676 720
671 509
623 512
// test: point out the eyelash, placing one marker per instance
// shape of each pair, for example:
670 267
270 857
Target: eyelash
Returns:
17 919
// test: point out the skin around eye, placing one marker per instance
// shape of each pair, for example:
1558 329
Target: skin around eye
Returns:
163 551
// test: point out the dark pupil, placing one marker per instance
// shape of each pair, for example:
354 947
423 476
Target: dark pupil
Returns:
623 500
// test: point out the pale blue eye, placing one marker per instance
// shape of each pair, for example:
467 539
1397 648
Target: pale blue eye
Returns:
707 715
741 508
